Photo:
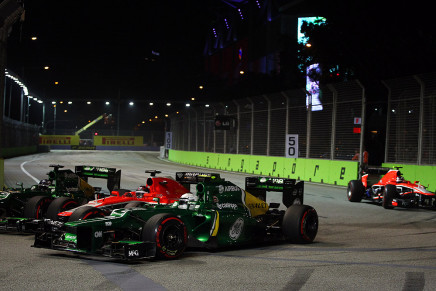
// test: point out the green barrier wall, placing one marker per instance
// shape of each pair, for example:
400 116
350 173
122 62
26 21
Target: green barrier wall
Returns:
321 171
424 174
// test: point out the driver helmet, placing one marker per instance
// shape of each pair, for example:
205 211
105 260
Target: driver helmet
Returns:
400 178
185 198
44 183
142 188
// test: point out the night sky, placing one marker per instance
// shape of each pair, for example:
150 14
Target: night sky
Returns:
154 50
105 49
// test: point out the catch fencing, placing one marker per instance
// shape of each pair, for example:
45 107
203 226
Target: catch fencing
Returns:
18 134
411 120
259 124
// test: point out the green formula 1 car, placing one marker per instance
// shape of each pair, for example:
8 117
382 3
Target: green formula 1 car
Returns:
62 189
220 214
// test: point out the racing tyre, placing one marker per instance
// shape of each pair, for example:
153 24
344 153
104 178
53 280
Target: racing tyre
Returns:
134 204
300 224
59 205
86 212
36 207
168 232
355 191
388 195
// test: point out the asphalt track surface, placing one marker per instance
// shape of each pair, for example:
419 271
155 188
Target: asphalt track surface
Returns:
360 246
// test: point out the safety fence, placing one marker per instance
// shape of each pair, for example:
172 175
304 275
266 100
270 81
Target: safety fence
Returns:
18 138
258 125
411 120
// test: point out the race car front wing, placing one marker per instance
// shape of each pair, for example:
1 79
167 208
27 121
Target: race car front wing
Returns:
83 242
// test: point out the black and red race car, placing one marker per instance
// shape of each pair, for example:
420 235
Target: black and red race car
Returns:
158 190
391 190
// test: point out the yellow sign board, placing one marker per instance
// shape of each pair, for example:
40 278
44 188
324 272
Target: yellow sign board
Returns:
59 140
101 140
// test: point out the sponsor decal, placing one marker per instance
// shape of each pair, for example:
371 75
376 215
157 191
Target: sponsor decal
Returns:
96 169
236 229
70 237
55 140
262 180
227 206
118 141
133 253
257 205
222 189
277 181
108 223
98 234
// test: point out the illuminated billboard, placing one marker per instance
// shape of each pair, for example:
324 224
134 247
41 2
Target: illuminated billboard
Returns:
313 95
313 71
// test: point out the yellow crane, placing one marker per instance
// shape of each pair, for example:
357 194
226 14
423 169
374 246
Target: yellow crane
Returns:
104 115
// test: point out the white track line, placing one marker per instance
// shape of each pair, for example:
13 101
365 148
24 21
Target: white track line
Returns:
27 173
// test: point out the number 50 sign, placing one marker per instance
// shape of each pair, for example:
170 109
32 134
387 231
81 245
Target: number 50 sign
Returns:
292 145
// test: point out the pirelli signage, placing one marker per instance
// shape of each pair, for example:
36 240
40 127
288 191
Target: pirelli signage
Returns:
101 140
67 140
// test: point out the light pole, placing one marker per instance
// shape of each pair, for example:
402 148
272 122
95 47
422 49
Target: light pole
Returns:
54 119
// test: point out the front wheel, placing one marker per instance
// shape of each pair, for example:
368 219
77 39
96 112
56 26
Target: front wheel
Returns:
36 207
168 232
355 191
300 224
60 204
388 196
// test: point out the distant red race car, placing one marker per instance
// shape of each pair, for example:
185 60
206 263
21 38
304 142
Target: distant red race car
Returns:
391 190
162 190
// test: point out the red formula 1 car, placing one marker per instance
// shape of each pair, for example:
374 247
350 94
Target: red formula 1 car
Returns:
390 191
158 190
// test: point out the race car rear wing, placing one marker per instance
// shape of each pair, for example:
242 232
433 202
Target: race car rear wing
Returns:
189 178
293 192
112 176
377 170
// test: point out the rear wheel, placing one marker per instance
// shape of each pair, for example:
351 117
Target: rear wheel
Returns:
355 191
36 207
168 232
86 212
300 224
59 205
388 196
